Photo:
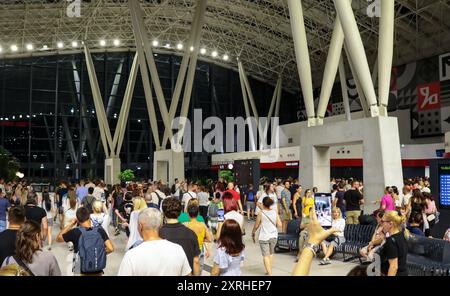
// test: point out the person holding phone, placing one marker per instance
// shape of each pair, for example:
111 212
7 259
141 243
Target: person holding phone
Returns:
336 239
269 221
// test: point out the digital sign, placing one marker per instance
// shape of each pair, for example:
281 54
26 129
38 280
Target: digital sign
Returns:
444 185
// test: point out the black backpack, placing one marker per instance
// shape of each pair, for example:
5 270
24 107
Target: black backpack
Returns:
160 200
88 202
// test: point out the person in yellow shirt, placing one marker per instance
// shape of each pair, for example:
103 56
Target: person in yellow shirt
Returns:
307 203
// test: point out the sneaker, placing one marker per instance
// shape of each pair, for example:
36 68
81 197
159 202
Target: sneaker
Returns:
49 248
322 262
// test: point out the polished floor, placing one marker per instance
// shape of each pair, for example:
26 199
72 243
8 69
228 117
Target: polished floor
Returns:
253 264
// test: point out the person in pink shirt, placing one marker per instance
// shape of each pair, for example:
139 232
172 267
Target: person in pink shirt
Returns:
387 201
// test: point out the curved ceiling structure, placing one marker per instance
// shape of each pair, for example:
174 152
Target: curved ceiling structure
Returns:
256 30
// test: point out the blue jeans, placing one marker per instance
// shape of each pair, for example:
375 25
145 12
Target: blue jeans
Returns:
2 225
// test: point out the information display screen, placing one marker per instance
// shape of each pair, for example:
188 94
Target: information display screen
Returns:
444 185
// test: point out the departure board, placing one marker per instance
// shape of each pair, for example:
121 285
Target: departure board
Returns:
444 185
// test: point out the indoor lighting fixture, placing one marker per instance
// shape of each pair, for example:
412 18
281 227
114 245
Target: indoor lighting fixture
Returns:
29 47
20 175
192 48
60 45
155 43
214 54
14 48
116 42
102 43
179 46
74 44
203 51
1 49
167 45
226 57
45 47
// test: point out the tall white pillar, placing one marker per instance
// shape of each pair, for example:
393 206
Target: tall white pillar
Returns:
302 57
385 52
357 52
112 170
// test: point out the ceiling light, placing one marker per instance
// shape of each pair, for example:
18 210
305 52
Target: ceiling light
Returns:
102 43
167 45
203 51
192 48
226 57
155 43
29 46
214 54
116 42
60 45
74 44
14 48
179 46
45 47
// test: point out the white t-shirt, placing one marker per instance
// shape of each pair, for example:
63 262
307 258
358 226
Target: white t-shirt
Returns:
99 194
340 225
268 229
233 215
155 199
261 198
203 199
155 258
187 197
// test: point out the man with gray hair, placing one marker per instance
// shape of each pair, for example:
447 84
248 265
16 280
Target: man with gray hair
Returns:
155 256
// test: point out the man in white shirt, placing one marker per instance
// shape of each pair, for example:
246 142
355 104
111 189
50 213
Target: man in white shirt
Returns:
191 194
157 194
155 256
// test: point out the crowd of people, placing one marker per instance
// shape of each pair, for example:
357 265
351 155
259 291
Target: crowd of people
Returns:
171 230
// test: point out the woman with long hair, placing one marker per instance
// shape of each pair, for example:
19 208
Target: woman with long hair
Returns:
29 252
98 217
230 252
297 203
336 239
307 203
231 210
396 197
394 251
430 211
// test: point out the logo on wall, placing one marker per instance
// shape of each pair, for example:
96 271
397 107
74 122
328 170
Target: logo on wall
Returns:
444 67
428 96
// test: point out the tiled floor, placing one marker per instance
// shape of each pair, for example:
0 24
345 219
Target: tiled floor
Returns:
253 265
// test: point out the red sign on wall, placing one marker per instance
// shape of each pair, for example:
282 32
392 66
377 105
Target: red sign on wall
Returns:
429 96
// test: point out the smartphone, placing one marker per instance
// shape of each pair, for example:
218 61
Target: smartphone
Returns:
221 215
322 203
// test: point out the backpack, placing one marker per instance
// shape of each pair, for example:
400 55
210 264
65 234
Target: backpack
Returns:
15 269
92 251
213 210
88 202
160 200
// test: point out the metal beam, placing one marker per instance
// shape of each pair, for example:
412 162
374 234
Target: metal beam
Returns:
357 52
114 89
279 92
385 52
331 68
343 79
103 125
250 93
302 56
194 41
146 53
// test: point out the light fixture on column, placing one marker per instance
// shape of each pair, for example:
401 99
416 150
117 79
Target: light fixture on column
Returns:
116 42
74 44
60 45
30 47
203 51
179 46
103 43
14 48
214 54
155 43
225 57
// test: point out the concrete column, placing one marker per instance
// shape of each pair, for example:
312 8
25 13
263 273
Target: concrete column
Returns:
302 56
382 163
385 52
112 170
357 52
315 167
168 165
